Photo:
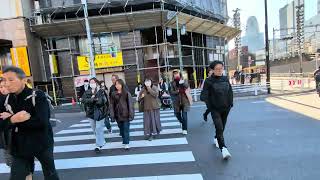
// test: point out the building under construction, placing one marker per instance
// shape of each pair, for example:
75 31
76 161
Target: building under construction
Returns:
131 38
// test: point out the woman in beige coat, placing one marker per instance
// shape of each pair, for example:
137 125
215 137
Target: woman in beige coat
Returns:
151 108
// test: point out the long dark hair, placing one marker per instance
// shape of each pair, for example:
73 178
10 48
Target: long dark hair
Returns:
97 82
124 89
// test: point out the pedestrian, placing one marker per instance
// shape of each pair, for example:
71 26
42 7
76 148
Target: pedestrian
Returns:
151 110
114 78
122 110
107 119
206 113
316 75
163 87
218 94
85 87
95 101
181 103
28 122
137 90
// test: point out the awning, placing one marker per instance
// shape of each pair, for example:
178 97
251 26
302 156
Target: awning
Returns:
123 22
203 26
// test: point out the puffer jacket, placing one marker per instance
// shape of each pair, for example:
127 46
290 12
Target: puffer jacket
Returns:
217 93
95 103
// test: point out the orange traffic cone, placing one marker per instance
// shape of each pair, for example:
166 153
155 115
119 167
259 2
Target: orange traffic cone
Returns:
73 102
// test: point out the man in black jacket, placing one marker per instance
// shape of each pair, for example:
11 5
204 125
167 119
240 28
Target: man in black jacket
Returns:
31 130
218 95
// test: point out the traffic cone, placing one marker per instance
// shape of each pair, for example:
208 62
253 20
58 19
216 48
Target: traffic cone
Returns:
73 102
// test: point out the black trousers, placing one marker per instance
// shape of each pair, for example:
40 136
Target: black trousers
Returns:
21 166
220 120
183 119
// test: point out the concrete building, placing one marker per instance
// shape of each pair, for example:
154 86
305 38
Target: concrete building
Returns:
133 39
253 38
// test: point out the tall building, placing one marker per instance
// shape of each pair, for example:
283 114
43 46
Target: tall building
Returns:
318 5
287 17
133 39
253 38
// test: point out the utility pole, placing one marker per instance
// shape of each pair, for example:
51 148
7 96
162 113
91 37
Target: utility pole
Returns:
300 31
237 24
89 37
179 44
267 45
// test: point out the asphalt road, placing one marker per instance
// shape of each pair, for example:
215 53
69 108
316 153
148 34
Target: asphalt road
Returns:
266 142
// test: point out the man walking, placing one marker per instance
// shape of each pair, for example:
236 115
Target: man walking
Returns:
28 116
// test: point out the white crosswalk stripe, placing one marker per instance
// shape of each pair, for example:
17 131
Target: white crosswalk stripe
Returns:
74 153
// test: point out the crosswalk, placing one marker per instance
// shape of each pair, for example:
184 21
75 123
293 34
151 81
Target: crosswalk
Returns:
168 157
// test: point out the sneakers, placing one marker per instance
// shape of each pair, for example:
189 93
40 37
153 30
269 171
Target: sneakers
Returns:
225 153
215 141
184 132
97 149
150 138
110 131
126 146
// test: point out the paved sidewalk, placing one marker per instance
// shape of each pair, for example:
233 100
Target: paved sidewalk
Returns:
307 104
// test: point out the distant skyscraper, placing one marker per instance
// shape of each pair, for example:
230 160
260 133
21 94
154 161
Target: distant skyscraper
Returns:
287 17
253 38
318 7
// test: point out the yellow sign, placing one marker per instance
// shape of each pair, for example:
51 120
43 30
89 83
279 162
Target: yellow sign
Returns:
20 59
100 61
53 64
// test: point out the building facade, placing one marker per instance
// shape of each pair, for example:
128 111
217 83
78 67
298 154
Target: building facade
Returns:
133 39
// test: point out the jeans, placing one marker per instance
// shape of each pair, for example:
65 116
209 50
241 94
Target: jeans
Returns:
124 127
98 130
22 166
183 119
220 120
107 123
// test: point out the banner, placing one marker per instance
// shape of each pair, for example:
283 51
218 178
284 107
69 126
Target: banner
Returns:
20 59
53 64
100 61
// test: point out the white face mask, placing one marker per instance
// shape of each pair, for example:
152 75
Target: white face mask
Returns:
147 83
86 83
93 86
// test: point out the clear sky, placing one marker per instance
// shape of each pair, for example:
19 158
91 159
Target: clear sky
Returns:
256 8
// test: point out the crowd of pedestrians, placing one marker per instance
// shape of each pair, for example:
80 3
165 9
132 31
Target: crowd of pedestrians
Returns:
26 132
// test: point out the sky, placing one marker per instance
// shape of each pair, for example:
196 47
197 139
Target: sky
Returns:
256 8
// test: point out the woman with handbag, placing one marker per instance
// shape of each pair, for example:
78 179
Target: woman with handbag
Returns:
95 100
151 110
122 110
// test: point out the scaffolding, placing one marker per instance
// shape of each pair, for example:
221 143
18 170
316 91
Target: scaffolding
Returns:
45 24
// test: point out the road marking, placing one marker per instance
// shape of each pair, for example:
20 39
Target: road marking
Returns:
117 145
114 135
83 130
120 160
164 177
258 102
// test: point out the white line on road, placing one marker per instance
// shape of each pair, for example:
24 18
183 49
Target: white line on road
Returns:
83 130
117 145
114 135
120 160
164 177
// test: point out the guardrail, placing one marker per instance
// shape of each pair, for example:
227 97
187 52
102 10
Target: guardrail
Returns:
238 90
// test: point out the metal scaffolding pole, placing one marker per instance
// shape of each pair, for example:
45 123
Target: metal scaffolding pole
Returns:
203 60
91 54
137 58
158 55
179 44
194 63
72 68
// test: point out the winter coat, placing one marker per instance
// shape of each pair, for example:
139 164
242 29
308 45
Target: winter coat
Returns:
34 135
217 93
179 96
121 107
95 106
150 100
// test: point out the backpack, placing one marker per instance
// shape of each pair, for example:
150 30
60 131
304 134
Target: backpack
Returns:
33 96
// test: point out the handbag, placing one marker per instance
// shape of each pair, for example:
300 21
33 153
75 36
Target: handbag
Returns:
141 105
189 96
